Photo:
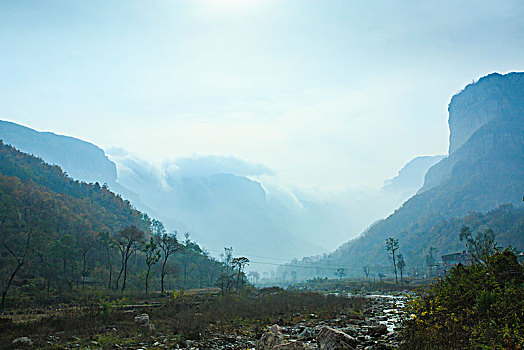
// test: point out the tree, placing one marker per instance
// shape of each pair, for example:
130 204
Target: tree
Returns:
86 242
20 228
430 260
109 246
481 246
240 263
128 241
254 277
366 270
401 265
152 255
226 278
381 276
392 247
167 243
341 272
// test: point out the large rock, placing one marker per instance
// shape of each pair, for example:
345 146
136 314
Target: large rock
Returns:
271 338
378 330
144 322
23 341
292 345
332 339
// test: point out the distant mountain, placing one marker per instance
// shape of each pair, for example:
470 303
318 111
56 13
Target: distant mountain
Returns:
411 177
219 199
485 169
214 199
81 160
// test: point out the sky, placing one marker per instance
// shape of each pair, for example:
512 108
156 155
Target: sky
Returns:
327 94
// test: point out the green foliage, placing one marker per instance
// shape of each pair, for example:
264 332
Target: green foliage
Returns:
480 306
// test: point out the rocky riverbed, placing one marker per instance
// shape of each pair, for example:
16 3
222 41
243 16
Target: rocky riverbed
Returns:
372 328
367 322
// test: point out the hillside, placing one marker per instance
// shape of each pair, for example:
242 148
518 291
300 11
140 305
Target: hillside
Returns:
58 234
485 169
81 160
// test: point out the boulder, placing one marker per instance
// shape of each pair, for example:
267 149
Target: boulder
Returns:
292 345
144 322
306 334
271 338
332 339
24 341
378 330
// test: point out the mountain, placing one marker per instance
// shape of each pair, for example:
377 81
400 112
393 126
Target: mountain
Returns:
51 226
214 198
411 177
58 234
222 200
81 160
484 169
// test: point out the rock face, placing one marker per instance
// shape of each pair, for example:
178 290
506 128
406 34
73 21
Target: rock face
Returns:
485 122
493 96
333 339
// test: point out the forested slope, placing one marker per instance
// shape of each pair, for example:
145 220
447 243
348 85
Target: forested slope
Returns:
58 234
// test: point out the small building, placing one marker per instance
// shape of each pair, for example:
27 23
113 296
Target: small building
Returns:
450 260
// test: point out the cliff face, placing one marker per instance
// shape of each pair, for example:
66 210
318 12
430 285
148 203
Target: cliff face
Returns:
484 121
493 96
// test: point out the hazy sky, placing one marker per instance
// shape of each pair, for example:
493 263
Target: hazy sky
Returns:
326 93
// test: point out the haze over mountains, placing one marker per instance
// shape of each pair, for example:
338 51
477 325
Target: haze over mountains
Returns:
484 170
225 201
222 200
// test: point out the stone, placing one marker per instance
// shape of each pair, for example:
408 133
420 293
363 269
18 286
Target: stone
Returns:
306 334
332 339
271 338
292 345
25 341
378 330
144 322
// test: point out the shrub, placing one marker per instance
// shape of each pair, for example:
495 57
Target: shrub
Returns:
480 306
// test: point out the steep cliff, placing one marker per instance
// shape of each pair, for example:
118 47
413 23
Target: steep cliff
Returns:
494 97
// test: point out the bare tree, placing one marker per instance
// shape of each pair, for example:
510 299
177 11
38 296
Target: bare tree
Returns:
430 260
128 241
240 263
168 244
226 278
401 264
481 246
341 272
392 247
152 254
109 245
366 270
